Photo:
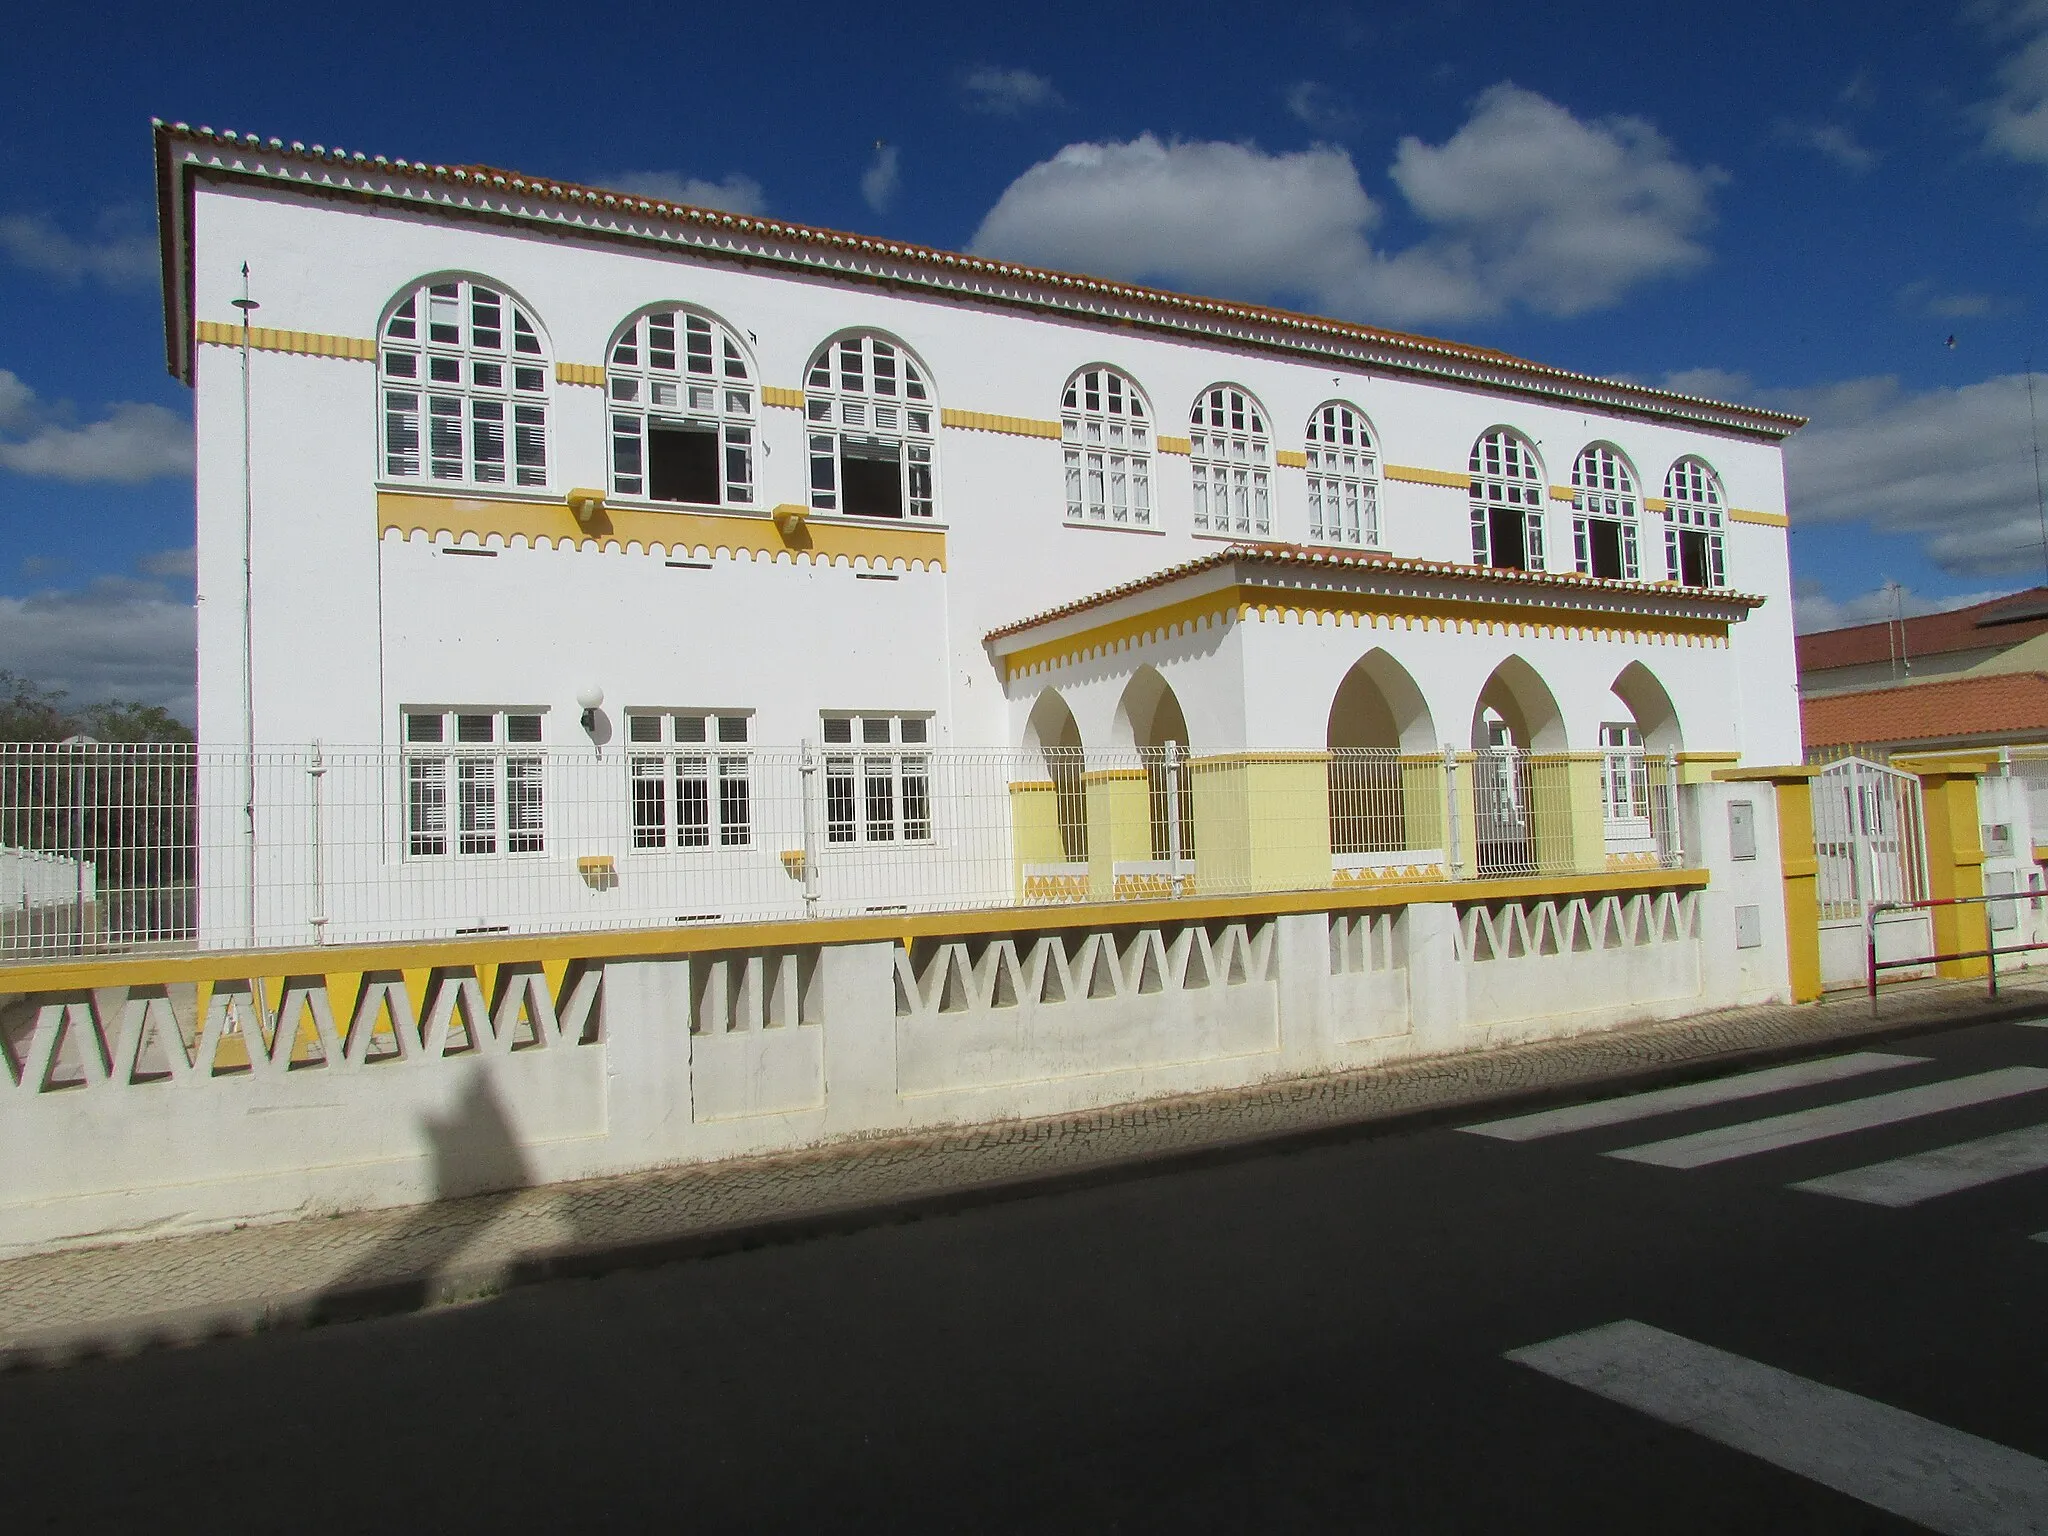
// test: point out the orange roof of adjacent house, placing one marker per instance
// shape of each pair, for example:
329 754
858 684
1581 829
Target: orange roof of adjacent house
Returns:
499 195
2005 705
2000 622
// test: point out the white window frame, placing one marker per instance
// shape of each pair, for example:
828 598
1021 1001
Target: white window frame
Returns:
878 779
1105 427
461 402
1507 472
1695 505
475 782
1231 455
690 779
1343 477
1624 776
707 387
1604 491
884 400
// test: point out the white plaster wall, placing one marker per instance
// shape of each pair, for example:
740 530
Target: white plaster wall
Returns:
789 639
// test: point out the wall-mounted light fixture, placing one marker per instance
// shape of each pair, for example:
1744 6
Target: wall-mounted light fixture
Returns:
790 518
588 699
585 502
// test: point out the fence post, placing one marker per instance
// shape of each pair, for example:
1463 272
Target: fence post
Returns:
78 847
807 769
1672 815
316 770
1452 863
1174 874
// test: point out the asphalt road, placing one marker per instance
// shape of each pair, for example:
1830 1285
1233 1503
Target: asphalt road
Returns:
1316 1339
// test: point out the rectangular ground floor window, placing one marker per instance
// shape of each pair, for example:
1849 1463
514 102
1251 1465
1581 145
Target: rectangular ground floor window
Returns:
469 789
875 792
697 790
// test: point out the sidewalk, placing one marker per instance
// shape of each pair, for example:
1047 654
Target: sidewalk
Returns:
60 1306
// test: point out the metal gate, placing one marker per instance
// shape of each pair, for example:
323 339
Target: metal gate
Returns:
1870 843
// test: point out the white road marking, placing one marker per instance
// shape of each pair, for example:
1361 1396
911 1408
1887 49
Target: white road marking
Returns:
1664 1101
1944 1171
1890 1459
1754 1136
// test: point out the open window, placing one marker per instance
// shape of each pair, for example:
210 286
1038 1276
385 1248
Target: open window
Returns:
681 396
1604 515
1506 502
871 417
1693 554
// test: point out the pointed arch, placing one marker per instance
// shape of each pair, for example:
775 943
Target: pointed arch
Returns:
1650 707
1516 697
1149 716
1378 704
1377 715
1052 732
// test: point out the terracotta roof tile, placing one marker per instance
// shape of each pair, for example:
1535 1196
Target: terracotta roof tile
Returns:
1306 327
1960 629
2004 704
1307 557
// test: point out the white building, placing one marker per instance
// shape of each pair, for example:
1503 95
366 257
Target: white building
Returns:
511 444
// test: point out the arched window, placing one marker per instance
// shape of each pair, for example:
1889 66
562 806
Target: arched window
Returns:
1692 528
465 388
682 411
1233 463
1604 511
1343 478
871 416
1507 502
1108 436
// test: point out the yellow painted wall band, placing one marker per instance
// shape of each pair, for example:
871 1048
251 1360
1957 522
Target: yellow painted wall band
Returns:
1563 493
788 399
588 374
1290 458
1012 426
1415 476
818 540
1179 445
1761 519
263 338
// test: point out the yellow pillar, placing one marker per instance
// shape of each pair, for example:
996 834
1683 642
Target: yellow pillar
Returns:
1422 801
1955 857
1119 825
1797 868
1262 821
1565 814
1464 860
1034 827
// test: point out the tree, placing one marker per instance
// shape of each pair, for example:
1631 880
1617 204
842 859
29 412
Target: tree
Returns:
29 711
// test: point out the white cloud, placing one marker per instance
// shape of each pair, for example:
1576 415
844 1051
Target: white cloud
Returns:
133 443
1527 206
1953 468
880 182
114 638
120 260
171 563
1813 609
2016 118
1926 297
1007 92
735 194
1319 109
1709 383
1830 140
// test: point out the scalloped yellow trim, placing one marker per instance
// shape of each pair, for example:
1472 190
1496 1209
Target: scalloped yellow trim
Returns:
788 399
551 525
1290 458
262 338
1175 445
1761 519
588 374
1361 610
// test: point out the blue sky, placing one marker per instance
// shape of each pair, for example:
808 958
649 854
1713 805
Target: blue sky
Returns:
1796 206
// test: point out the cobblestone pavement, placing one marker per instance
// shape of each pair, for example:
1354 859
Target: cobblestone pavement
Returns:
60 1305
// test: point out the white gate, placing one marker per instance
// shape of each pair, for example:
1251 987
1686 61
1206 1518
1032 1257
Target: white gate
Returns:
1870 842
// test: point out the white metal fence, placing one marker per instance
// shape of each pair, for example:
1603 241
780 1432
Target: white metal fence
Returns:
128 847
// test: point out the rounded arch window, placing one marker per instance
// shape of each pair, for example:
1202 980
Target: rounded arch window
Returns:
1232 456
1507 502
870 415
1693 554
464 387
1107 433
1604 515
681 399
1343 477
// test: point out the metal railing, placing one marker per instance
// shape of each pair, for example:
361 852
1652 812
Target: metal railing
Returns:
1988 954
119 848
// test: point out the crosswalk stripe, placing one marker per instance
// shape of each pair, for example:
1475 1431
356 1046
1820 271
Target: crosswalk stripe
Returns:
1944 1171
1754 1136
1664 1101
1890 1459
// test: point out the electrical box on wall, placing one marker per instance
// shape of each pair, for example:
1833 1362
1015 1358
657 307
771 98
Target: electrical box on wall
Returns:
1741 829
1749 927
